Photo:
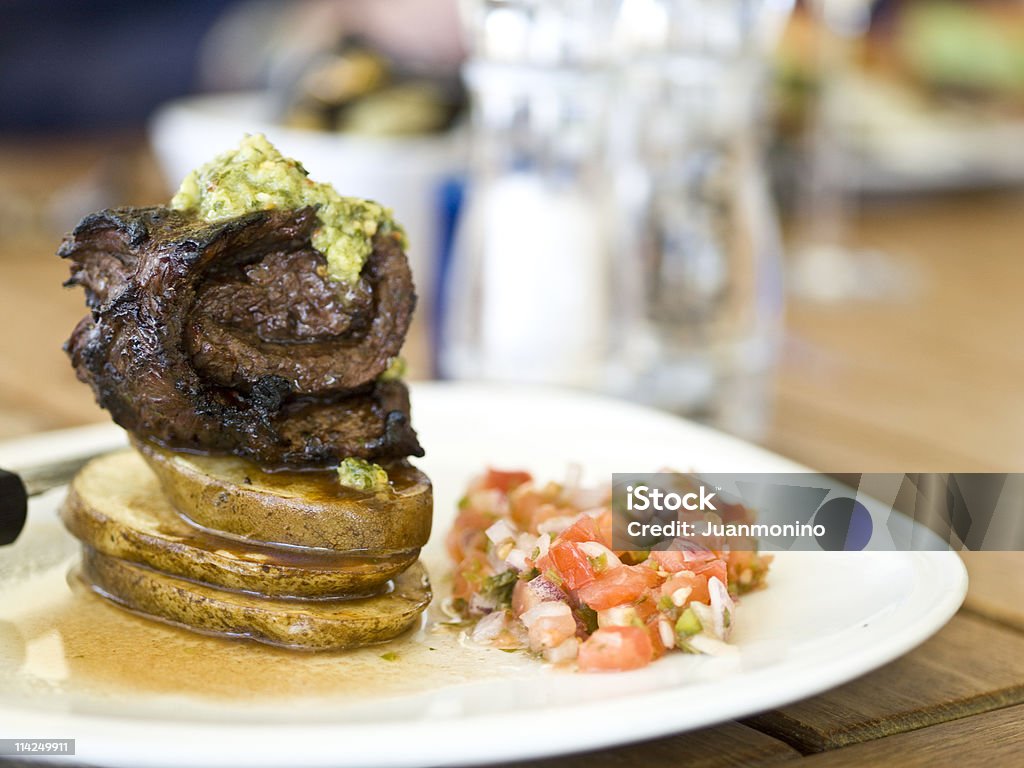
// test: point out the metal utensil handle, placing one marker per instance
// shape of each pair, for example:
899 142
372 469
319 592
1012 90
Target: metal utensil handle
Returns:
13 507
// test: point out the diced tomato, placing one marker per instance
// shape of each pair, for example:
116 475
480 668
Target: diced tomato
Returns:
674 560
616 586
695 580
604 525
584 529
711 568
523 598
546 512
646 607
668 560
551 631
467 533
658 648
616 649
570 563
522 504
650 576
505 481
530 594
698 586
529 507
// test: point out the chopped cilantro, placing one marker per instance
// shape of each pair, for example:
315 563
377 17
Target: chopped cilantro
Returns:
395 370
500 586
588 616
529 575
257 177
362 475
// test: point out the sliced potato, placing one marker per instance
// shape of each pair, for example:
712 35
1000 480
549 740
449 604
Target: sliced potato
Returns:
309 509
304 624
115 505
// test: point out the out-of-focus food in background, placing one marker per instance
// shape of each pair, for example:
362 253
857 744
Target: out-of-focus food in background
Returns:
357 89
932 97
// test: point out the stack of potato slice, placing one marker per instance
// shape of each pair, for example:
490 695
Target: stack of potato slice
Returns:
216 545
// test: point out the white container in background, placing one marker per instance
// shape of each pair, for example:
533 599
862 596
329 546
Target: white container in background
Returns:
533 303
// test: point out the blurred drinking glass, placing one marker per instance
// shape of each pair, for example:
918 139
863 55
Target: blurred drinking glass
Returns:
618 234
699 308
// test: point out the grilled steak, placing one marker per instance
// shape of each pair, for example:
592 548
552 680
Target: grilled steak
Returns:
229 337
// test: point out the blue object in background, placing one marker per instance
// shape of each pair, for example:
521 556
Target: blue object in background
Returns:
73 66
450 198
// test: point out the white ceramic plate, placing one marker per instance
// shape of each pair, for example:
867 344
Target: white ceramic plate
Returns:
134 693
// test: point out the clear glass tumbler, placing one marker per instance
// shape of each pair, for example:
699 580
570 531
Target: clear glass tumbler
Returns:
618 233
699 303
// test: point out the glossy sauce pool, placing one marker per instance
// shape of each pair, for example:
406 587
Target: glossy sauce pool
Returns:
61 645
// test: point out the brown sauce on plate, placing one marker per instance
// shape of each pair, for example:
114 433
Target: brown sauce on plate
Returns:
60 641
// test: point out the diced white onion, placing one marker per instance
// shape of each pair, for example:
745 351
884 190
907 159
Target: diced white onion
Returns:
710 646
543 544
597 550
541 590
703 616
526 542
550 609
617 616
490 626
722 608
496 557
489 500
681 595
517 559
668 635
479 604
556 525
500 532
565 651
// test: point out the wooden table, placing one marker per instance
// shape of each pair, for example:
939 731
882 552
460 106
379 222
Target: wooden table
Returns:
931 382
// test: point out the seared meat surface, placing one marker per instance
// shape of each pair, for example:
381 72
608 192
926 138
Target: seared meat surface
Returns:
230 338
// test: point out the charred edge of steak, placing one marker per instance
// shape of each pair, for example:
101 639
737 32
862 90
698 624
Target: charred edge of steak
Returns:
142 268
324 432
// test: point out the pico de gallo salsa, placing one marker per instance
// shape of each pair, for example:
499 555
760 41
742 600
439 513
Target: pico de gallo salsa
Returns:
535 570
